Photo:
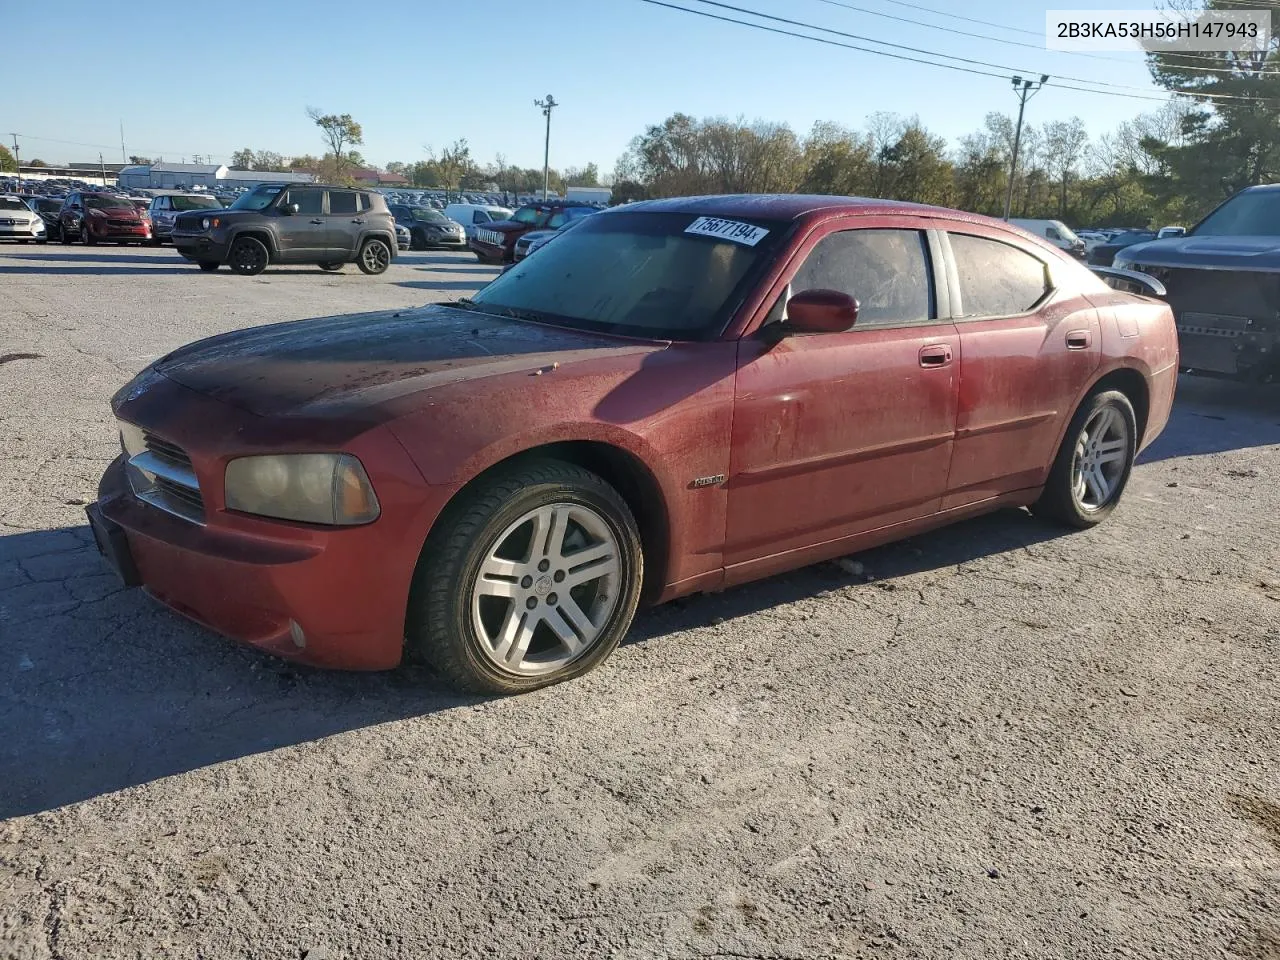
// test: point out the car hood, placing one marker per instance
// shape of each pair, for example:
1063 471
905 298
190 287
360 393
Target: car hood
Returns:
354 365
118 213
1209 253
508 226
25 215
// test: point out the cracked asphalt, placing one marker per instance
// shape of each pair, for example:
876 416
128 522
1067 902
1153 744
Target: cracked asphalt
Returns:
998 740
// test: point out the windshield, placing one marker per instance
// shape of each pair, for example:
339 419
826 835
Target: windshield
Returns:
13 203
107 203
258 199
527 215
427 215
1255 213
637 274
194 203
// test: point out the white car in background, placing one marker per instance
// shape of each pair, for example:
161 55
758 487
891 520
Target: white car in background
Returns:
473 215
19 222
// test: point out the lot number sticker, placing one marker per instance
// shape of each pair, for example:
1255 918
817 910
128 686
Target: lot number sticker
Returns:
734 230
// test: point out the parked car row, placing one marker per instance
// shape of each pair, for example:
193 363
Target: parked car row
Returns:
495 241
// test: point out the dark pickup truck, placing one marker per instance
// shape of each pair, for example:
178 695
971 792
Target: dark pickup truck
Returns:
1223 283
291 223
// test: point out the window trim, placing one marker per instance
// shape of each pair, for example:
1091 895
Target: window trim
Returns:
953 278
328 202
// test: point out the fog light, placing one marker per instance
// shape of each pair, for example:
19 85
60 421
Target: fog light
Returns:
295 631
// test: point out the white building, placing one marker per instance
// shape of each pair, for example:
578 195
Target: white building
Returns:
174 176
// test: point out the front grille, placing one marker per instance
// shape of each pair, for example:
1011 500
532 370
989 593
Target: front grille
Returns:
162 476
489 236
188 222
169 452
113 222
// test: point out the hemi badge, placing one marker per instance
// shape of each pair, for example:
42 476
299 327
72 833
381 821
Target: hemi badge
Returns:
708 481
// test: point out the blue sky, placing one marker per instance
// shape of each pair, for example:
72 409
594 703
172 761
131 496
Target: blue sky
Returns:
233 74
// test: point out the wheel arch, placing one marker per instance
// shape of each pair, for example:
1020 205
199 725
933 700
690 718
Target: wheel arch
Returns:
620 468
1133 384
264 236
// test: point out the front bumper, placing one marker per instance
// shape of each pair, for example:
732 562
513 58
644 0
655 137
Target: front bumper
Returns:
199 246
20 232
333 597
448 241
491 252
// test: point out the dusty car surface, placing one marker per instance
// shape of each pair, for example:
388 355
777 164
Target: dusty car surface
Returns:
675 396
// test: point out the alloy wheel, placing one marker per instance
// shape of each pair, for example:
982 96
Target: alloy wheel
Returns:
546 589
1101 457
375 257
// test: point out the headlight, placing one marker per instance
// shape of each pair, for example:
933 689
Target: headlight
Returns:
37 226
328 488
206 223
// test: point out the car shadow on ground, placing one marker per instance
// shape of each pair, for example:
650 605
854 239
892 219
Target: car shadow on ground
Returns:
1238 416
96 257
101 270
102 689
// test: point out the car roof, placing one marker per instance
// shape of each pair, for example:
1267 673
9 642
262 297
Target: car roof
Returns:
795 206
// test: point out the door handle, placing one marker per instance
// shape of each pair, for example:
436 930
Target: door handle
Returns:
935 355
317 221
1079 339
358 220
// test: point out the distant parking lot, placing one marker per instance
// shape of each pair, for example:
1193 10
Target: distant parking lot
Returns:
994 741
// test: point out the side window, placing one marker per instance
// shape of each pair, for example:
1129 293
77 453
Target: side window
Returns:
886 271
310 202
996 279
1052 233
480 217
343 202
557 221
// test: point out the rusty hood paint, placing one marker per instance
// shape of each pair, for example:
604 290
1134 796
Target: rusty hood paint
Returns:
352 364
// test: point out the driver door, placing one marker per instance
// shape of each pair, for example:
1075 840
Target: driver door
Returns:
839 434
304 236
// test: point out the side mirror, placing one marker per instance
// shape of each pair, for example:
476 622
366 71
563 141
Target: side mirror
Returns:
821 311
290 209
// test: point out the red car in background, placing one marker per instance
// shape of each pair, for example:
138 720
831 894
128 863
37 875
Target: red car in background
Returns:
675 396
496 242
100 218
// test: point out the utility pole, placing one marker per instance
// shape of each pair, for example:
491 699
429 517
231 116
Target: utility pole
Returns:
17 159
547 106
102 167
1025 90
123 157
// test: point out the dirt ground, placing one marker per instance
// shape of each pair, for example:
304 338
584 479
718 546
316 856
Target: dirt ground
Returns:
998 740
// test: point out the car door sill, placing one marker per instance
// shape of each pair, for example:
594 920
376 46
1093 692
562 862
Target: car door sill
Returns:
804 556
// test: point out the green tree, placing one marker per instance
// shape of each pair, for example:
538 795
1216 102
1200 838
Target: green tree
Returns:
7 163
242 159
1232 139
339 132
37 163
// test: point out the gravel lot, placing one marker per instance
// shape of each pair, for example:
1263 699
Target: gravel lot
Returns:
1010 743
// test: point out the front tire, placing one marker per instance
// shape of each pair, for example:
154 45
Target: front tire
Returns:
208 266
86 236
248 256
532 578
374 257
1093 464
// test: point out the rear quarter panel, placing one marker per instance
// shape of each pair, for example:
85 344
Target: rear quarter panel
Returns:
1139 333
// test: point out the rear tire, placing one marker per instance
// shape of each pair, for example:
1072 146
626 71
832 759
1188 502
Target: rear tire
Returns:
86 237
1094 463
330 267
491 624
248 256
374 257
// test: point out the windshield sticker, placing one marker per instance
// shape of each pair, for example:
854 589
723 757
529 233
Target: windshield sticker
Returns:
734 230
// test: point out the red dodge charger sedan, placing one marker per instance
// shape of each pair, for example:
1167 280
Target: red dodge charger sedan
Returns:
677 396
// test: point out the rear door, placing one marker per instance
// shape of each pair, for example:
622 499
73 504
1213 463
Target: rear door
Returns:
344 224
836 434
1027 353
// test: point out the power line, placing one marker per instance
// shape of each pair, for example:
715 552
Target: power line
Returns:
96 146
1015 43
936 53
930 63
